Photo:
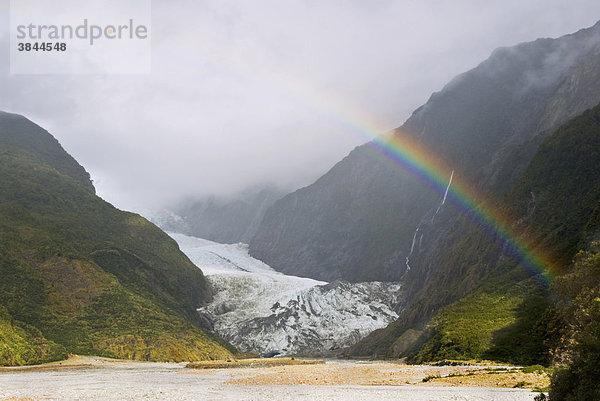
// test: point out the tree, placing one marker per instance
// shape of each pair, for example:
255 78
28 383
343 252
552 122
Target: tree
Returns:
579 304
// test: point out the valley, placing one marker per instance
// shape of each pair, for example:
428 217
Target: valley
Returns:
454 256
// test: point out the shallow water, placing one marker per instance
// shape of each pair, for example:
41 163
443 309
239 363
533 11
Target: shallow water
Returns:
156 381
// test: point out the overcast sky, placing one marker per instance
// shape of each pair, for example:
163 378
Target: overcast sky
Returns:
247 92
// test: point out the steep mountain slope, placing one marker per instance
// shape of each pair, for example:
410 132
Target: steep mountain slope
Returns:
20 133
222 219
559 194
79 275
555 204
344 226
358 221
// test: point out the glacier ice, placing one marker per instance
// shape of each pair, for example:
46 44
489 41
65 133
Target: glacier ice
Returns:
259 310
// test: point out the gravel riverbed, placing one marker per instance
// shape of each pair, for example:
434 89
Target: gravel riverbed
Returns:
100 379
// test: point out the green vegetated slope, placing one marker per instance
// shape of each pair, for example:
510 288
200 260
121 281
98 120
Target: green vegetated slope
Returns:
80 276
559 194
505 322
508 316
579 307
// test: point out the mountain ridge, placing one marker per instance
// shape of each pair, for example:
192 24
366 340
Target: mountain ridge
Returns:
563 217
81 276
361 218
45 147
365 199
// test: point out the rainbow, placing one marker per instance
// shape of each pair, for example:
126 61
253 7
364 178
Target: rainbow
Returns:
432 171
413 158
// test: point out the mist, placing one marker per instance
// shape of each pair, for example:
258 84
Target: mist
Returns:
245 93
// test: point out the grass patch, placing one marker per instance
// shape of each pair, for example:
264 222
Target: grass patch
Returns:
430 377
464 330
539 369
496 322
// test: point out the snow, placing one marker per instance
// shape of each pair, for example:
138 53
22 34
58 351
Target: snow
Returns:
258 309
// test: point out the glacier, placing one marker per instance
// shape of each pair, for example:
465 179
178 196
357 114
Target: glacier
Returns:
261 310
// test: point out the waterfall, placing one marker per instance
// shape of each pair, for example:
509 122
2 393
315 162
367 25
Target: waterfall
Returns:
414 239
444 198
412 247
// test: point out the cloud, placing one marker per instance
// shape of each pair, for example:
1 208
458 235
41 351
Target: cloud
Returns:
248 92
